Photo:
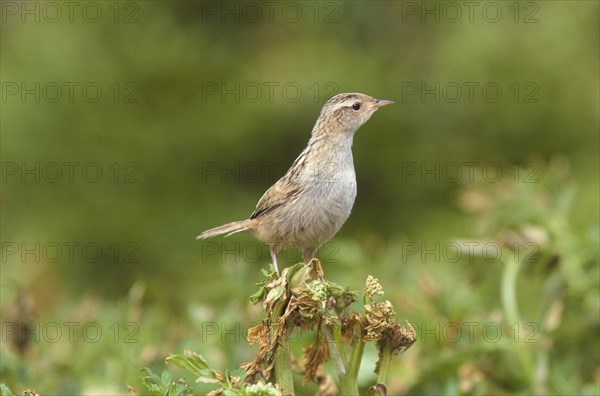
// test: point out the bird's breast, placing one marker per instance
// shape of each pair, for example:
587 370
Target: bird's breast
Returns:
327 199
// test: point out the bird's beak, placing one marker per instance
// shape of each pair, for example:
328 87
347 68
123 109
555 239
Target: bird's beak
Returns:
382 102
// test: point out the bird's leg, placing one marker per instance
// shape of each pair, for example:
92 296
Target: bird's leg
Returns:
273 251
308 254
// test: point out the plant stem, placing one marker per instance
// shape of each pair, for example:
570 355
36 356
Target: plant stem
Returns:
349 381
348 385
384 364
336 349
513 318
283 356
283 367
509 290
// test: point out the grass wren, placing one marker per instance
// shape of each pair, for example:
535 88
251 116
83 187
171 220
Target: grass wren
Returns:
311 202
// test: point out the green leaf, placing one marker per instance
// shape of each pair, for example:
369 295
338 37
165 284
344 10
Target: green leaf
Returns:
153 382
260 293
164 385
269 272
238 372
191 362
166 379
196 365
5 390
256 297
274 294
179 388
295 268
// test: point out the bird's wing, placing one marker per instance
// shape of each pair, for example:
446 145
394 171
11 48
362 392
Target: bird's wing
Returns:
280 193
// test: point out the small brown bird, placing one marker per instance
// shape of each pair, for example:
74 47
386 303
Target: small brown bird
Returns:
311 202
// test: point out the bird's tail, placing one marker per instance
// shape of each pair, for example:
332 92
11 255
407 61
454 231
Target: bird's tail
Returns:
229 228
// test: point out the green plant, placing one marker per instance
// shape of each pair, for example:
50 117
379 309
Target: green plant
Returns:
301 298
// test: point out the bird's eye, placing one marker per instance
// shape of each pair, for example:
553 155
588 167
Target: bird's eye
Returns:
356 106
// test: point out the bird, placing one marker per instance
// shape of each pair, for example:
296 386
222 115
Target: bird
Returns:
309 204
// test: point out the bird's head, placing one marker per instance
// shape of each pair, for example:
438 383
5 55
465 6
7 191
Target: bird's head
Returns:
346 112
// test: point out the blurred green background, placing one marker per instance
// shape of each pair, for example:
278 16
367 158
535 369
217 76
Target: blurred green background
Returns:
130 127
